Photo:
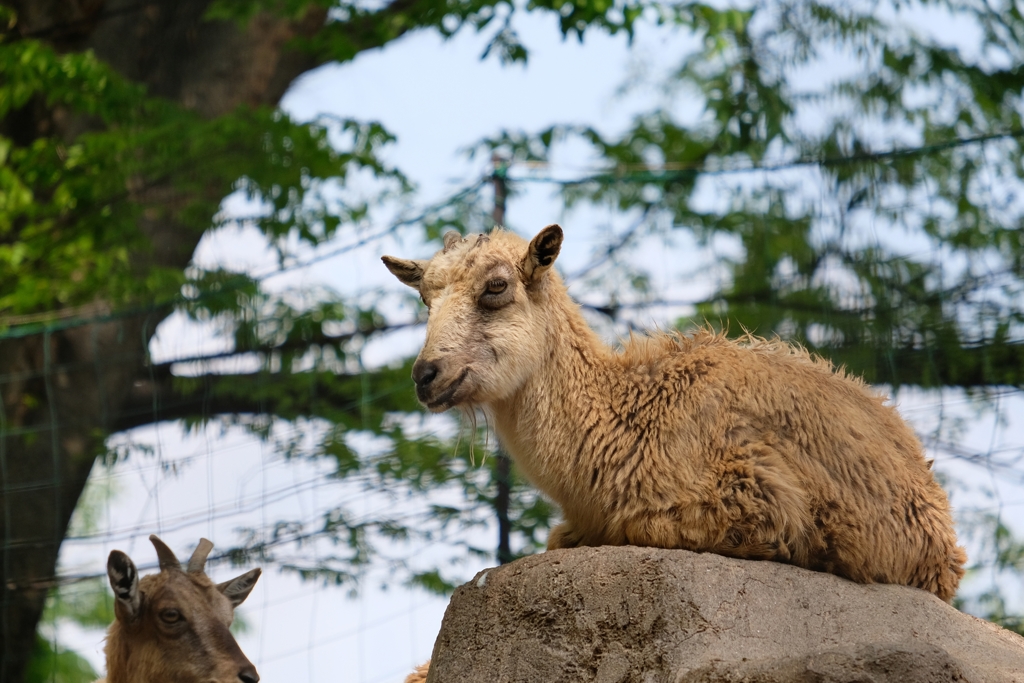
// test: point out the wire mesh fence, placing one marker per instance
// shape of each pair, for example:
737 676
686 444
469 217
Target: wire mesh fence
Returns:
288 450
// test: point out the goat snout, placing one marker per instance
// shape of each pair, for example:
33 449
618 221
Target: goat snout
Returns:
423 373
249 675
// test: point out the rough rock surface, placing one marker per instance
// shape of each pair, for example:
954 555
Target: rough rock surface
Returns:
643 615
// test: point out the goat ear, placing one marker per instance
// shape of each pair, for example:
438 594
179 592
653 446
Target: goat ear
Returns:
408 271
124 579
542 252
237 589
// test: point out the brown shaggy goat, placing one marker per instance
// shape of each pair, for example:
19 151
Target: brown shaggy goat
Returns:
172 627
749 449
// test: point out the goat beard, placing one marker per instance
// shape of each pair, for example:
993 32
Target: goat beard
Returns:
470 419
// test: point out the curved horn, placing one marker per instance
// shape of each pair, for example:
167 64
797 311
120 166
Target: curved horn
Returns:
197 562
167 558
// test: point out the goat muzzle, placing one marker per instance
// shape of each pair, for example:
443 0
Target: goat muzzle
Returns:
423 373
249 675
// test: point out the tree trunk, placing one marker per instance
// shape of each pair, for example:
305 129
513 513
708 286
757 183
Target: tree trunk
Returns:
57 391
62 392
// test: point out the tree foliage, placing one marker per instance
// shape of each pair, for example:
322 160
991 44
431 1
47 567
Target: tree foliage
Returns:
72 208
863 175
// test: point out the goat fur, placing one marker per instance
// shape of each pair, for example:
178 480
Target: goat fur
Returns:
746 448
420 674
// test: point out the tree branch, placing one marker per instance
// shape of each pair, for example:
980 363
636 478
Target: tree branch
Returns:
967 367
352 400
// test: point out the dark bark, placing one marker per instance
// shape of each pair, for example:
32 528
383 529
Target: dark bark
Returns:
503 481
57 393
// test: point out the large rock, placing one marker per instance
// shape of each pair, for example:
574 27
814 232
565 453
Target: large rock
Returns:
612 615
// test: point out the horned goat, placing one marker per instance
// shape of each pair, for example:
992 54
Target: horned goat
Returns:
172 627
751 449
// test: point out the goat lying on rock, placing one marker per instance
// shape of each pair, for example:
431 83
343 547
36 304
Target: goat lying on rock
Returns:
172 627
749 449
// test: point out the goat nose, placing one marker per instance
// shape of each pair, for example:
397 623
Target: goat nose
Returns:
249 675
423 373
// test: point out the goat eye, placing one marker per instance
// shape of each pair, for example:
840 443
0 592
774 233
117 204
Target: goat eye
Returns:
170 616
497 294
